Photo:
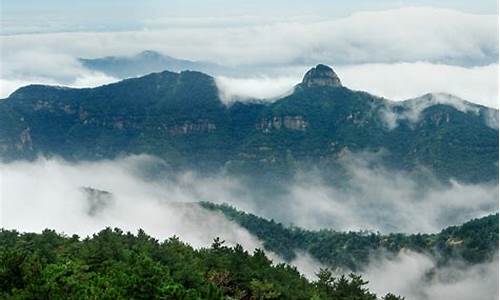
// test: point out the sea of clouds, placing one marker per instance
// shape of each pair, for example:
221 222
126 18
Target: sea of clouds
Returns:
397 53
48 193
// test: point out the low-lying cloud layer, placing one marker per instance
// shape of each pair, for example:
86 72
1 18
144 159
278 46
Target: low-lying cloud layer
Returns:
413 109
387 201
70 198
416 276
264 88
372 199
49 194
398 35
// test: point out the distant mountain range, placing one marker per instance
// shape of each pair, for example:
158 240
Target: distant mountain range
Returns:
147 62
181 118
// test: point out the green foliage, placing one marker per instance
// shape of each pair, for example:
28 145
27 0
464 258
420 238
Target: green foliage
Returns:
116 265
475 241
180 118
391 296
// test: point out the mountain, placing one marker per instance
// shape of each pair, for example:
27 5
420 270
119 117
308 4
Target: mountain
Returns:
145 62
475 241
180 118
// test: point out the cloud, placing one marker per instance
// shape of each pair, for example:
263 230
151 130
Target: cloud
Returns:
43 67
264 88
55 199
52 193
398 53
402 81
307 265
376 199
398 35
373 198
416 276
397 82
413 109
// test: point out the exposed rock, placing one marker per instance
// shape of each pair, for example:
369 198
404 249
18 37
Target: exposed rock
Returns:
288 122
199 126
295 123
321 76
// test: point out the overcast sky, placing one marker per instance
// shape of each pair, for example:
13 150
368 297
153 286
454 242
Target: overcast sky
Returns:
416 46
30 16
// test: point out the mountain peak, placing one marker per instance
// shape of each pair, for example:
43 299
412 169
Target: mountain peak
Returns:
321 76
149 54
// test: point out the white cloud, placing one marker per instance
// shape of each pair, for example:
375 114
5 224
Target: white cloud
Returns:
397 82
413 109
407 80
47 194
266 88
398 35
377 199
55 200
417 276
43 67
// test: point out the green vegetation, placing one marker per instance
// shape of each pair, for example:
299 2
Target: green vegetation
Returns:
475 241
117 265
180 118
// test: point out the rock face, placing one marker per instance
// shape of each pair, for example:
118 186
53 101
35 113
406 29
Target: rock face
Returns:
321 76
289 122
188 127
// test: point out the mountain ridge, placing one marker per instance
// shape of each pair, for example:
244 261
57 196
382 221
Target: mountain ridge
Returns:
146 62
181 118
352 249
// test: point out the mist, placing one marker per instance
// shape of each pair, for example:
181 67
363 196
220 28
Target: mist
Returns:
49 194
387 201
372 198
139 192
417 276
248 88
361 37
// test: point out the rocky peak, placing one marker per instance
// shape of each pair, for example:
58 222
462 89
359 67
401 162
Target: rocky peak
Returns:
321 76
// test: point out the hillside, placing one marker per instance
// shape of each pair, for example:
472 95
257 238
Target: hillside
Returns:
180 118
117 265
475 241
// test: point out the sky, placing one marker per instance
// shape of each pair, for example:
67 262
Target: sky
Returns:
395 49
131 14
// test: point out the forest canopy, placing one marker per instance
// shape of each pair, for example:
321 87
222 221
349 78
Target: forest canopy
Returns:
113 264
